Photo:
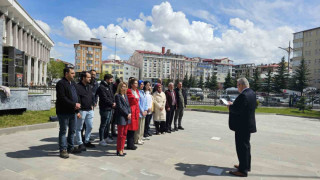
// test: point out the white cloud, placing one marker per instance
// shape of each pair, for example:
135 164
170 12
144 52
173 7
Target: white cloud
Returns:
64 45
76 29
111 56
44 26
243 42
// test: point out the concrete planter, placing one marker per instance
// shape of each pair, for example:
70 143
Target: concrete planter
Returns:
17 100
39 102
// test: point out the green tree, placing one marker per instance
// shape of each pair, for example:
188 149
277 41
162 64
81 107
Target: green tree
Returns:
281 79
185 81
228 82
268 84
207 83
176 82
192 81
256 83
55 69
201 83
213 84
300 77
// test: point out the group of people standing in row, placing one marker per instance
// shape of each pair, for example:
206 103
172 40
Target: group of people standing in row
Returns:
130 106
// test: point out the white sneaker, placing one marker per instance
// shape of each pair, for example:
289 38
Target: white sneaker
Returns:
103 143
145 138
108 140
140 142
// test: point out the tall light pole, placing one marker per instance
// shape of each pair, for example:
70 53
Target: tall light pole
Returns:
115 52
288 49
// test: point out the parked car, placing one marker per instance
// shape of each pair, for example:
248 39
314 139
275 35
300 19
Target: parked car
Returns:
315 104
271 101
260 99
197 92
212 96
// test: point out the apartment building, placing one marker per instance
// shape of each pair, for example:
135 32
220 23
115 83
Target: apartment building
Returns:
306 44
88 54
264 68
24 47
120 69
154 65
219 67
245 70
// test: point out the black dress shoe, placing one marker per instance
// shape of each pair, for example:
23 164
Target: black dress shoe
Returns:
150 134
82 147
114 134
176 129
238 173
168 131
237 166
74 151
157 133
172 130
180 127
118 154
132 148
89 145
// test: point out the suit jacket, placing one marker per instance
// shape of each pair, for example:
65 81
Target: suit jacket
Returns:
242 113
184 94
64 103
170 98
122 110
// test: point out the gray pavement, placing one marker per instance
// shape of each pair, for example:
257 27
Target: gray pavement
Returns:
283 148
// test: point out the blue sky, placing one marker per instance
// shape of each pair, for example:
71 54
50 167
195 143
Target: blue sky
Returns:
246 31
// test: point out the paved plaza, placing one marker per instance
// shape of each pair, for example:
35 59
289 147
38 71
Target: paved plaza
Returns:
283 148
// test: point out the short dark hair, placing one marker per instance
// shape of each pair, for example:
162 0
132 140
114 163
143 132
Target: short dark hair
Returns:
83 74
66 70
92 70
107 76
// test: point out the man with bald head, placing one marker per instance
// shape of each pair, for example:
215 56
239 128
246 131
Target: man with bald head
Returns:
242 120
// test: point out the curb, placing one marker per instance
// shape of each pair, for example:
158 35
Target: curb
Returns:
221 112
11 130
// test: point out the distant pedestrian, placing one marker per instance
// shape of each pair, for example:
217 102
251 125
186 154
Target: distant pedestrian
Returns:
67 108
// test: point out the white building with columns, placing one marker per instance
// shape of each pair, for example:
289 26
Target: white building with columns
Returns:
25 47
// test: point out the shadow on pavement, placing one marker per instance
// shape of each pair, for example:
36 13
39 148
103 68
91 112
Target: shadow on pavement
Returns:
47 150
200 169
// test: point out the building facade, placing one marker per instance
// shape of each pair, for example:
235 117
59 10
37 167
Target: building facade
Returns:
25 47
154 65
120 69
245 70
306 44
88 54
219 67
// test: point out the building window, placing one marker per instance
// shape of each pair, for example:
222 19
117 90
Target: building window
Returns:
97 56
89 61
97 50
89 55
89 48
298 35
297 53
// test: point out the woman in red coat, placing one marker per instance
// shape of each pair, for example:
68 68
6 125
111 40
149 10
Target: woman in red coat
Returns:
133 97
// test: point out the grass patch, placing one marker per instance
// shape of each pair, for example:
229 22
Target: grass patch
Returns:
284 111
27 118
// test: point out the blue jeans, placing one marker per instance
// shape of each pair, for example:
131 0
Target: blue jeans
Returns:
86 117
66 121
105 123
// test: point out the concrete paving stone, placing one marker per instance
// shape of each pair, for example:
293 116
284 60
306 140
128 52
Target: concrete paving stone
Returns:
283 148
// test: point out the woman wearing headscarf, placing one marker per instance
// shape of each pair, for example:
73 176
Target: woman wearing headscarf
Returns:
133 97
159 99
143 112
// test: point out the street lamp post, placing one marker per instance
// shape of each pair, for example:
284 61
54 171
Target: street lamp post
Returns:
115 53
288 49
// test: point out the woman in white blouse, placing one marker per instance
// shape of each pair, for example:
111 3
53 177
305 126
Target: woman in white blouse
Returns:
147 89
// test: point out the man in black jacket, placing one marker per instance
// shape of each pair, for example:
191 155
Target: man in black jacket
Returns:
106 104
67 108
85 94
242 121
181 97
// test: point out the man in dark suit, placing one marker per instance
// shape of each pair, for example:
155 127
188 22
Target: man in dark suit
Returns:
67 108
181 104
242 121
170 106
